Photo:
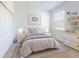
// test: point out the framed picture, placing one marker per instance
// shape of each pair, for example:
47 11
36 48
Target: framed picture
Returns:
34 19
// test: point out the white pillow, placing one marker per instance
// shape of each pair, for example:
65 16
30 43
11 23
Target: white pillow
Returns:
36 30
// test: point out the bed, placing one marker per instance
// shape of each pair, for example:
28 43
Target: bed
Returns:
35 42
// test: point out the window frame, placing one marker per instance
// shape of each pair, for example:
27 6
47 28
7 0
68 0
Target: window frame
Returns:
59 20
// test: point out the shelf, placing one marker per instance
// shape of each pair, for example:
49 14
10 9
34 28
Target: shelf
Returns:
74 20
72 39
72 17
75 25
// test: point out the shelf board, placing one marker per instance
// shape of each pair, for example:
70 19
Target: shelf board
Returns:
75 25
72 17
74 20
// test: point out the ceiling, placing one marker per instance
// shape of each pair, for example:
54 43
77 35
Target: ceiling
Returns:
42 5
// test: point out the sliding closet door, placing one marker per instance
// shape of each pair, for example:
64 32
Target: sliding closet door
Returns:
5 30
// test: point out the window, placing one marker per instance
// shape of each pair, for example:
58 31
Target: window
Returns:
59 20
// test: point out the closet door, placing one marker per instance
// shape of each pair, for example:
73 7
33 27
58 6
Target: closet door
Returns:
5 30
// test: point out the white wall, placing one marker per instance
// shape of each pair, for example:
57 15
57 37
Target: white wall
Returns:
6 30
21 17
68 7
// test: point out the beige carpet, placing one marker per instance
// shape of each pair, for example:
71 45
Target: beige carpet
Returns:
65 52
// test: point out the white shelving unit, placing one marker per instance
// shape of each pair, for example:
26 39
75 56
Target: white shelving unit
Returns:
73 19
72 39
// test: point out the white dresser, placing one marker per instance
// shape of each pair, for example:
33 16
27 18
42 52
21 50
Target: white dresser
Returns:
71 40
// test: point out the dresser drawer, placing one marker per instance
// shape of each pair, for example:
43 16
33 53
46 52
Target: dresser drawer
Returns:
72 44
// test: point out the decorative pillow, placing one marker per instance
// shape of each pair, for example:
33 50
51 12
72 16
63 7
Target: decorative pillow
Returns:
40 31
36 30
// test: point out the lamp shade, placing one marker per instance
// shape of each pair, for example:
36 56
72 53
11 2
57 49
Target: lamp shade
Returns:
20 30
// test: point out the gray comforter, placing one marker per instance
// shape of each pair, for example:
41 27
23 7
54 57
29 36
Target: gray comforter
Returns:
37 42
